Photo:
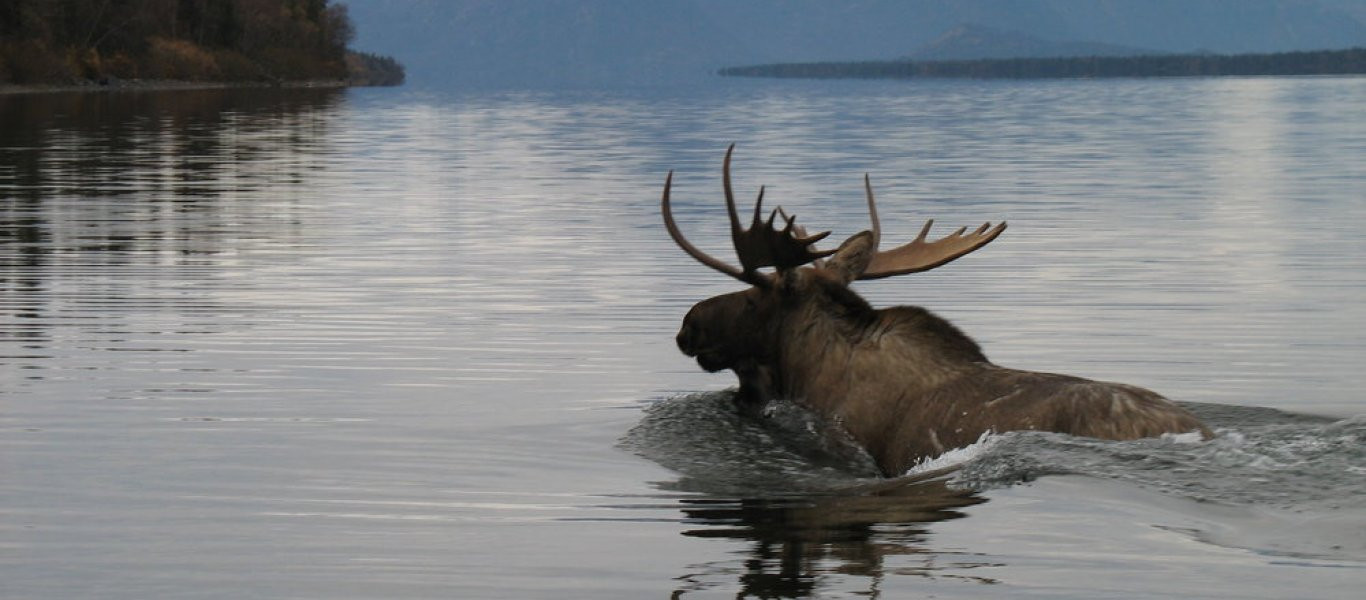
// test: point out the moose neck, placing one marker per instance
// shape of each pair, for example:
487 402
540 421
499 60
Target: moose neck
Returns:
850 347
817 342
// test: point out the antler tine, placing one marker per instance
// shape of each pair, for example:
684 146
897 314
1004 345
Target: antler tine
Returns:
925 231
759 211
735 228
872 211
920 255
799 233
693 251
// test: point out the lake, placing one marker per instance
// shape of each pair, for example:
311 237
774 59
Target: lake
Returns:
385 343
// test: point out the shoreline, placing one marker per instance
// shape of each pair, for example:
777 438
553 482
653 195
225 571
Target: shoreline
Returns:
161 85
1348 61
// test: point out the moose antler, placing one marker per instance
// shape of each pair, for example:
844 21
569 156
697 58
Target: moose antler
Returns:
762 245
800 232
920 255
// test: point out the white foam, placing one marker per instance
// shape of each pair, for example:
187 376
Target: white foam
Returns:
1189 437
956 456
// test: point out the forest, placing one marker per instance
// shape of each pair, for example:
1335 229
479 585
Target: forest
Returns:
1327 62
74 42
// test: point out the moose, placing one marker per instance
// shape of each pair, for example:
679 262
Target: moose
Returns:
902 382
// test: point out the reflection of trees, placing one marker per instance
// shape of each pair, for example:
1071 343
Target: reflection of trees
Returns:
796 542
150 183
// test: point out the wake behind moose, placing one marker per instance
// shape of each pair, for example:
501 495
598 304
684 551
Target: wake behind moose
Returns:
901 381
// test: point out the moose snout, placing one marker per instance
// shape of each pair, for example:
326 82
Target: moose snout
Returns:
687 339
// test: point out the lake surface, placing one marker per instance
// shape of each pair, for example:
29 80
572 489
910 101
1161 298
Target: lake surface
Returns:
377 343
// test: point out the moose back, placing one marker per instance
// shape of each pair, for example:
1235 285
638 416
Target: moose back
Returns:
901 381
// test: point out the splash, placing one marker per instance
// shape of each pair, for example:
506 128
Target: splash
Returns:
956 457
716 450
1257 457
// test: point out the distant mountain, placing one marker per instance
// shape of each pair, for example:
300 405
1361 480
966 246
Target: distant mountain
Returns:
595 43
975 42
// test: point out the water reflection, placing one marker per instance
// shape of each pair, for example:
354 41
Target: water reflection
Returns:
433 316
114 204
795 545
158 143
806 505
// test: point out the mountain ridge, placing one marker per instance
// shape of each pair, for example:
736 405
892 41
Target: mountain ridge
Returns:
970 41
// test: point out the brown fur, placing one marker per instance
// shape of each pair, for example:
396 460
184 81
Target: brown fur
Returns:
903 382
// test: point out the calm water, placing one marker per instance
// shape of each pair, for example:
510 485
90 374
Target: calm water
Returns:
383 344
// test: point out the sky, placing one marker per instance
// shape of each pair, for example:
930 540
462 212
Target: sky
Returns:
591 43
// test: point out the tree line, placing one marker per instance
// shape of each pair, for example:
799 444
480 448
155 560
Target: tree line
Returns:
268 41
1327 62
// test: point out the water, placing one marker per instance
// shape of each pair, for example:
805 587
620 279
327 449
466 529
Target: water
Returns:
382 343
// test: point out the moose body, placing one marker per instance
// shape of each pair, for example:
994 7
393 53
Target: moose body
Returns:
901 381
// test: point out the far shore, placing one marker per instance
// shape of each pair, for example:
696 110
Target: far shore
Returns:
140 85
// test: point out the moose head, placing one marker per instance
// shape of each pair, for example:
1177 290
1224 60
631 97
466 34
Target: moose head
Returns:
903 382
742 330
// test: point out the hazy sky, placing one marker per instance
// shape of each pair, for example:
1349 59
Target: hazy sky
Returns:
599 42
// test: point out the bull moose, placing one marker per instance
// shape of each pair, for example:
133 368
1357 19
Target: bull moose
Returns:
901 381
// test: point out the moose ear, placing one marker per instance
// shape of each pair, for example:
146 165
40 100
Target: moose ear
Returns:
852 258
